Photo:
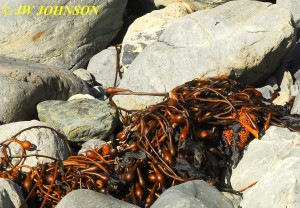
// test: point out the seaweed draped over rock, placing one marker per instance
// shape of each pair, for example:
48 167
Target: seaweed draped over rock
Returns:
198 132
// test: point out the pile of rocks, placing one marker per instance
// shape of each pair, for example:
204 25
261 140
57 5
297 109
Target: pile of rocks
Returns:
56 69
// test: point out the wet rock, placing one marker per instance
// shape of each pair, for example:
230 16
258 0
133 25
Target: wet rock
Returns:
83 198
273 161
66 41
197 45
90 145
23 85
45 141
79 119
103 67
98 92
10 194
192 194
85 76
147 29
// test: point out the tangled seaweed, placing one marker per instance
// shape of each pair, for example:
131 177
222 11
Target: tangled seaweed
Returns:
198 132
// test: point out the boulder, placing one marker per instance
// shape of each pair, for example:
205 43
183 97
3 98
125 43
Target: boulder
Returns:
84 198
192 194
90 145
80 119
294 7
23 85
146 30
11 195
103 67
198 45
45 141
61 36
273 161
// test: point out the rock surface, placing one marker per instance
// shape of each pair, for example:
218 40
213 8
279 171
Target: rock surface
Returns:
79 119
192 194
193 4
23 85
296 106
11 195
45 141
274 162
90 145
85 76
103 67
67 41
83 198
197 45
294 7
146 30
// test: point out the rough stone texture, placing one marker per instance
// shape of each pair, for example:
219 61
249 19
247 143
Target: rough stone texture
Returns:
10 194
192 194
90 145
194 4
79 119
294 7
46 142
103 67
198 45
146 30
23 85
296 105
274 162
66 41
285 89
83 198
85 76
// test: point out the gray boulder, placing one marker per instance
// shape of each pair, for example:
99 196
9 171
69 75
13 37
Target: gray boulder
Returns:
192 194
294 7
79 119
23 85
273 161
103 67
198 45
46 141
84 198
65 40
10 194
146 30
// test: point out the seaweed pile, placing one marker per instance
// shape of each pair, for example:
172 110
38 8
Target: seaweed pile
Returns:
198 132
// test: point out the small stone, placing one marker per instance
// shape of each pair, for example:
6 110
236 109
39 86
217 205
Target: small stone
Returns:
192 194
266 91
85 76
84 198
45 141
98 92
282 99
103 67
80 119
90 145
81 96
11 195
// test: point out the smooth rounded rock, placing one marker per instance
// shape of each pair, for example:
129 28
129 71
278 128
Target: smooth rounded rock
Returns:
45 141
11 195
192 194
24 84
79 119
60 36
198 45
83 198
